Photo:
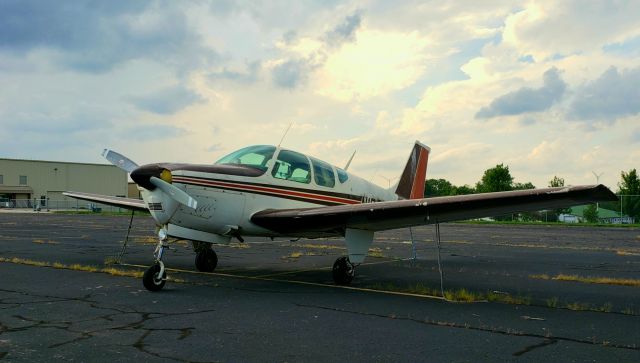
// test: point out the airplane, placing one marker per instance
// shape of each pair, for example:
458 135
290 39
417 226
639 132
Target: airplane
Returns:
271 191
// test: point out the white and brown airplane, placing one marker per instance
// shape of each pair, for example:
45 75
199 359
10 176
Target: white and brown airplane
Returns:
275 192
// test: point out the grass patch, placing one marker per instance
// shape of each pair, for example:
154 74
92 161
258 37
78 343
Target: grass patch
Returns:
74 267
589 279
552 302
463 295
146 240
627 253
375 252
321 247
47 242
293 255
238 245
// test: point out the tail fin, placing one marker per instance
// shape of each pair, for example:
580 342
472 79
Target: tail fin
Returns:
411 184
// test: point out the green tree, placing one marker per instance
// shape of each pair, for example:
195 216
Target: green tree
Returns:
591 213
463 189
522 186
556 182
629 189
496 179
438 187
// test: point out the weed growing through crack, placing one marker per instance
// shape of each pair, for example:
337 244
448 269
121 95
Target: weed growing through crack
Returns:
589 279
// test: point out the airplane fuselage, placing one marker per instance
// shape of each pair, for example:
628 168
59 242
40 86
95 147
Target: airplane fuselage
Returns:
228 195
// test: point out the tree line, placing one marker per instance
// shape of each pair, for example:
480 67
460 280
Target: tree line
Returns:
498 179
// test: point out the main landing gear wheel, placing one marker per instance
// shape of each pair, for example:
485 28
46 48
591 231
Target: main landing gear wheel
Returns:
152 279
206 260
343 271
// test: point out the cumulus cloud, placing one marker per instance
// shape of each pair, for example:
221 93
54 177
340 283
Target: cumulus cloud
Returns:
295 71
291 73
166 101
250 75
151 132
548 28
345 31
97 36
527 99
612 95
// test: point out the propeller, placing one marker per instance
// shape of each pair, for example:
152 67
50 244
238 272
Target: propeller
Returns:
119 160
174 192
144 176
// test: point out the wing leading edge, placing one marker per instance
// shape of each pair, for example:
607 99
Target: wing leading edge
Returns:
405 213
126 203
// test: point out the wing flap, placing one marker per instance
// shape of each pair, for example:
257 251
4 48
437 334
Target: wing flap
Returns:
405 213
126 203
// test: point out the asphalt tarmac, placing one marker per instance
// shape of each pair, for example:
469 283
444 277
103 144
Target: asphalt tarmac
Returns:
275 301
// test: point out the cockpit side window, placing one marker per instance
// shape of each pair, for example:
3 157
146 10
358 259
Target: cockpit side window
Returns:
255 156
323 173
342 175
292 166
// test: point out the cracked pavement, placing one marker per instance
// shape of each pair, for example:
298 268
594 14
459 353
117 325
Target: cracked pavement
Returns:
48 313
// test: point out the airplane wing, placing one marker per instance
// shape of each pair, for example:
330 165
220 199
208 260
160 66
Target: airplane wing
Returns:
412 212
126 203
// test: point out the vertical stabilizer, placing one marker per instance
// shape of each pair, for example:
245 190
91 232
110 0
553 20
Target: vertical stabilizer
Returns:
411 184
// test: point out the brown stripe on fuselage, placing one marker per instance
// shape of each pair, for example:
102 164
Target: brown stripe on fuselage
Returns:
300 194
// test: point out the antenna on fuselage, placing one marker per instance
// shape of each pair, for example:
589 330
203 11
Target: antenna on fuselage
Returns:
285 134
349 162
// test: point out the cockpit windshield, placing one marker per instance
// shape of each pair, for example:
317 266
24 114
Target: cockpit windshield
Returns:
257 156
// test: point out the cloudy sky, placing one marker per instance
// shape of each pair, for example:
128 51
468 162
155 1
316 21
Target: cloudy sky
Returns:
546 87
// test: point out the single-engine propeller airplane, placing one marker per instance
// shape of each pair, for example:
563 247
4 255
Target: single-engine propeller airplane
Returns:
275 192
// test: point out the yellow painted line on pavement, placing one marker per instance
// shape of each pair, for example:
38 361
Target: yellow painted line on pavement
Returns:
329 268
259 278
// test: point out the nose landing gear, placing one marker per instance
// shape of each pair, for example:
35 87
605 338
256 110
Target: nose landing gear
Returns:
155 277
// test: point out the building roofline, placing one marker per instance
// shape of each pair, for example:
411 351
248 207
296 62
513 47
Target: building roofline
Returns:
57 162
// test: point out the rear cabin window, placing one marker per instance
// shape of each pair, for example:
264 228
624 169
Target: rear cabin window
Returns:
254 156
292 166
323 173
342 175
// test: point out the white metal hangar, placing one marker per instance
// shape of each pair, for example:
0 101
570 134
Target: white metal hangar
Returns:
27 183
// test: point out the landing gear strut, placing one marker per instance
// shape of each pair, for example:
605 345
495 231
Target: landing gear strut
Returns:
343 271
155 277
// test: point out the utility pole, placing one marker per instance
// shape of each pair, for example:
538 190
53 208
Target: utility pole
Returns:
597 182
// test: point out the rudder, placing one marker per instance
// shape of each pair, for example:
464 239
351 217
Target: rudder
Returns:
411 184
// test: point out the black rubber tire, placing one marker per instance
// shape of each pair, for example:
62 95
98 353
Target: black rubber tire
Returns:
152 281
343 272
206 260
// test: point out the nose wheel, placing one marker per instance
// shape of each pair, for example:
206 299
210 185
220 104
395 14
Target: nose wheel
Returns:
343 271
155 277
152 279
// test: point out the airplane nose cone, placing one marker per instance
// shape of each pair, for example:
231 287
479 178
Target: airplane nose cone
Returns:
143 174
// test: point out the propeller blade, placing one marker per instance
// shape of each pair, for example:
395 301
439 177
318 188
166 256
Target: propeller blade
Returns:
119 160
174 192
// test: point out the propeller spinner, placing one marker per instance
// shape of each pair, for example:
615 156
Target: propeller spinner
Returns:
151 177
